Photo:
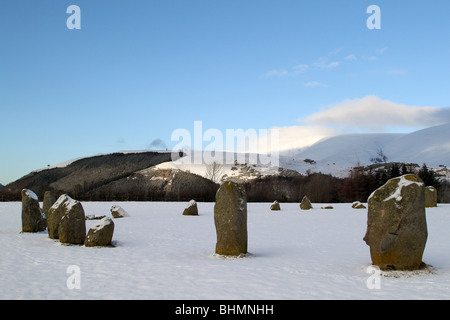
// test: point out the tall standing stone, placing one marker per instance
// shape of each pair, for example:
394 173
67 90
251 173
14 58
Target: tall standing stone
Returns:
72 227
430 197
49 200
396 224
230 218
67 221
54 215
33 218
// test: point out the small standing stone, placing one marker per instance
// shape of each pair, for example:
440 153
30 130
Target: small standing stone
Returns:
275 206
396 224
118 212
358 205
101 234
305 204
33 218
191 209
230 219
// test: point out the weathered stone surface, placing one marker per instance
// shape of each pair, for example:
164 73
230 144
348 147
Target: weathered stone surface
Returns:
49 200
72 227
396 224
191 209
230 218
430 197
118 212
305 204
101 234
33 218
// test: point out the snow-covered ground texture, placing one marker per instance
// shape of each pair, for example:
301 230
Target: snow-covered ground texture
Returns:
161 254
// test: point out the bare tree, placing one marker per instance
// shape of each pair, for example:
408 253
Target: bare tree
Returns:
214 171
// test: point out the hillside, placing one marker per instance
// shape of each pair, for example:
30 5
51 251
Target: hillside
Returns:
337 155
83 175
144 176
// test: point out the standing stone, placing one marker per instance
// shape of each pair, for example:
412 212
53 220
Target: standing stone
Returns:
275 206
66 221
33 218
72 227
396 224
305 204
117 212
191 209
358 205
430 197
230 218
101 234
54 215
49 200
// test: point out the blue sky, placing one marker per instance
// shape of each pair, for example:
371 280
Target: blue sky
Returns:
138 70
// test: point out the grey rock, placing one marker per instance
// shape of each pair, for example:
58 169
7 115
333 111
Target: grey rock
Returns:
66 221
230 219
33 218
275 206
396 224
118 212
101 234
305 204
72 227
430 197
191 209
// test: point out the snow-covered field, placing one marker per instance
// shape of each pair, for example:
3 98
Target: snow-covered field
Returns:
161 254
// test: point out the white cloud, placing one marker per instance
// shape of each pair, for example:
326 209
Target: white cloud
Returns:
374 114
314 84
276 73
301 68
292 137
322 63
350 57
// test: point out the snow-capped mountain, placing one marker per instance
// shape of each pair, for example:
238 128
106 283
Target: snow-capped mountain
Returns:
337 155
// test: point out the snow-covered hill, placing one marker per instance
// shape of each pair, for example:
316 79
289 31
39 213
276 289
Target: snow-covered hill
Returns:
337 155
430 146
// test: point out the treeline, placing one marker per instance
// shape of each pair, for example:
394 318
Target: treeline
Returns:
358 186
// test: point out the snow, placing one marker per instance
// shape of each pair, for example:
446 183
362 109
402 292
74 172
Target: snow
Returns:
191 204
397 195
69 203
31 194
101 224
161 254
